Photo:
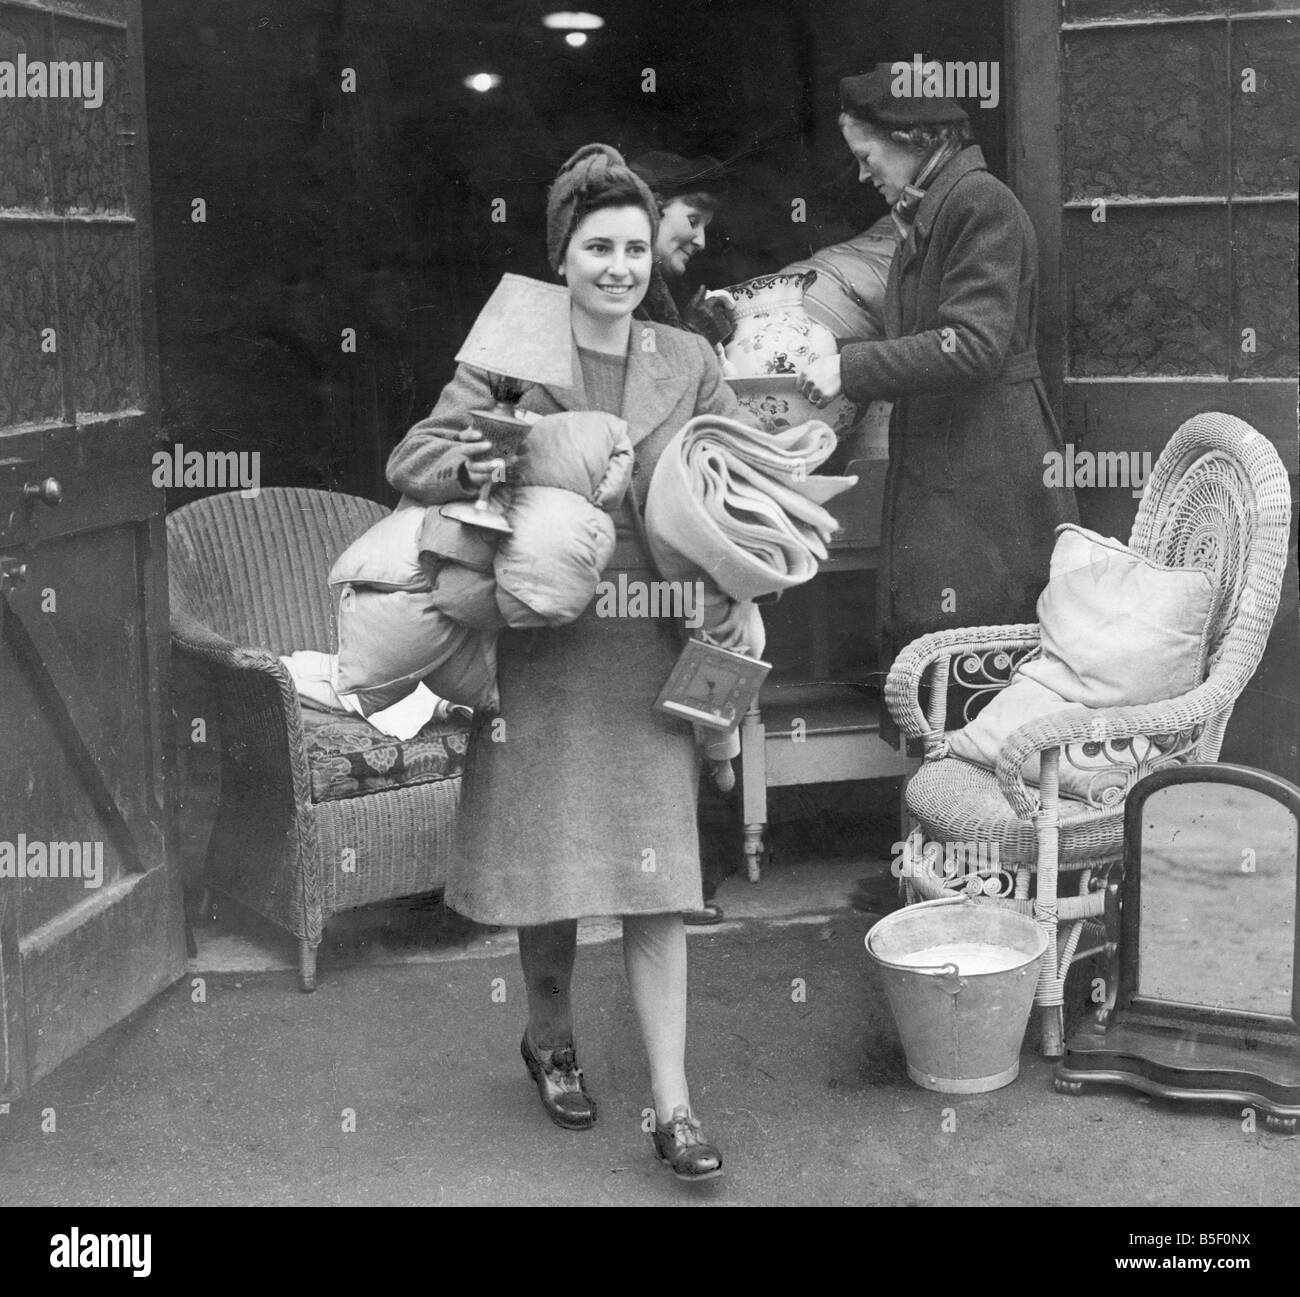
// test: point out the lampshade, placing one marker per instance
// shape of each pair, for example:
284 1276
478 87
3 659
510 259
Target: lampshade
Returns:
523 332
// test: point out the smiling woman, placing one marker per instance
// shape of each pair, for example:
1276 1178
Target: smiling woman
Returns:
607 268
578 797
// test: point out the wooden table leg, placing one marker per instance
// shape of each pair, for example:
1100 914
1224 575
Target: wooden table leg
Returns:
753 741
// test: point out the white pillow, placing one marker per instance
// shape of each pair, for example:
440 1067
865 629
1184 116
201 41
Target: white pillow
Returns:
1117 631
386 555
392 634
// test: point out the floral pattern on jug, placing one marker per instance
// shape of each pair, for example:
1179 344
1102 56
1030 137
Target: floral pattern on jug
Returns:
773 332
774 339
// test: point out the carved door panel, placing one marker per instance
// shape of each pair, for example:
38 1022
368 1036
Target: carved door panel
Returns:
90 914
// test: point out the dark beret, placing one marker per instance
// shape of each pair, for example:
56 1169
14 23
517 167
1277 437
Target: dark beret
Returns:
669 174
871 97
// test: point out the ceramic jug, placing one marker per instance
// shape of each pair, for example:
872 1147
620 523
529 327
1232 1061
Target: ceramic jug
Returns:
774 339
773 332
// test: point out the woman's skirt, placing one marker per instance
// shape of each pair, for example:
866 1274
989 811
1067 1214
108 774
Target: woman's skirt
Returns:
579 798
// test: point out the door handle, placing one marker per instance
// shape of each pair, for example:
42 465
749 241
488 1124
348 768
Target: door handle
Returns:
47 491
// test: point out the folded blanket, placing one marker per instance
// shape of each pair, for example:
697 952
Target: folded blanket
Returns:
742 506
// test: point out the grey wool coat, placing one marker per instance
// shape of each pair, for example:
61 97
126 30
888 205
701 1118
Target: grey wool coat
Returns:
968 522
578 797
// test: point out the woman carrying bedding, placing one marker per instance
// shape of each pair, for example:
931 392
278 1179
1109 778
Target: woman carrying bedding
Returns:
579 799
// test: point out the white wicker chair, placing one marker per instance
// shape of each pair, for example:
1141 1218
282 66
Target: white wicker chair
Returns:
1218 499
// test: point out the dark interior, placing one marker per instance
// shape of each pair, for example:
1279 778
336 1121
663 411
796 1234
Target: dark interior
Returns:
372 210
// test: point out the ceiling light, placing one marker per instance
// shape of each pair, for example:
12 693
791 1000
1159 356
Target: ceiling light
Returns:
576 39
483 81
568 21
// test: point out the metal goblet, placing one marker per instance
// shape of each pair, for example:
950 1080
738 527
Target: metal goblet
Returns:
506 431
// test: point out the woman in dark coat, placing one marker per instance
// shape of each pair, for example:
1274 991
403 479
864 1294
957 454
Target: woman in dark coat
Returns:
579 799
969 524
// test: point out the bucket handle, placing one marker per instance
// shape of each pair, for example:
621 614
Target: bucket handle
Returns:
948 975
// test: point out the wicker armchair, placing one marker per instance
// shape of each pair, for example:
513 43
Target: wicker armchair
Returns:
1218 499
318 812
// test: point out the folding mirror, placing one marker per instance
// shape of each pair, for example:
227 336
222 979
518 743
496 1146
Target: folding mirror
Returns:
1202 999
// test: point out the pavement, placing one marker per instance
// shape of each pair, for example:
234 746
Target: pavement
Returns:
399 1082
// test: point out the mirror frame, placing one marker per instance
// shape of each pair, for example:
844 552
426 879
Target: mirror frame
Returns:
1191 1052
1129 993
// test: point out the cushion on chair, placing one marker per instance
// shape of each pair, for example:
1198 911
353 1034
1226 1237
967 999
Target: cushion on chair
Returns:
958 802
348 757
1117 631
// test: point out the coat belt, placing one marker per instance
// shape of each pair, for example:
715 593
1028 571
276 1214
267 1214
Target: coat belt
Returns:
1020 368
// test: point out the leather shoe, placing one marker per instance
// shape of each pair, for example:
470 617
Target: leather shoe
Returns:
680 1144
560 1085
706 917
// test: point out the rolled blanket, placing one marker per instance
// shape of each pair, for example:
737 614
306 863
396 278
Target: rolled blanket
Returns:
577 467
742 506
548 567
587 451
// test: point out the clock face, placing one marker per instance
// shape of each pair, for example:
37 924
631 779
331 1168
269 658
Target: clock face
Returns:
712 686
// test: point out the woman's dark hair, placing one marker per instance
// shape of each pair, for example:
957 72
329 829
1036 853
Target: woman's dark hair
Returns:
594 178
617 191
924 138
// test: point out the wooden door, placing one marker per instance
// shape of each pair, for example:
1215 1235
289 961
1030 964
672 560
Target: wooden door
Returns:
1154 144
90 913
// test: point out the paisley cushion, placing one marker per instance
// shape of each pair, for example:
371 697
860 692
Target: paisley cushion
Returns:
349 757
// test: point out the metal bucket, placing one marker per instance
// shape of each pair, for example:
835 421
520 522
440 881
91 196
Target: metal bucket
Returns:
961 1030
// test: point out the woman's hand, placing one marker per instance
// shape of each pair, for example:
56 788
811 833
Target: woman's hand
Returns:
711 315
821 381
482 462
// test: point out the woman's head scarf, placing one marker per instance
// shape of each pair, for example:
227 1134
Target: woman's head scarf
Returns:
582 181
